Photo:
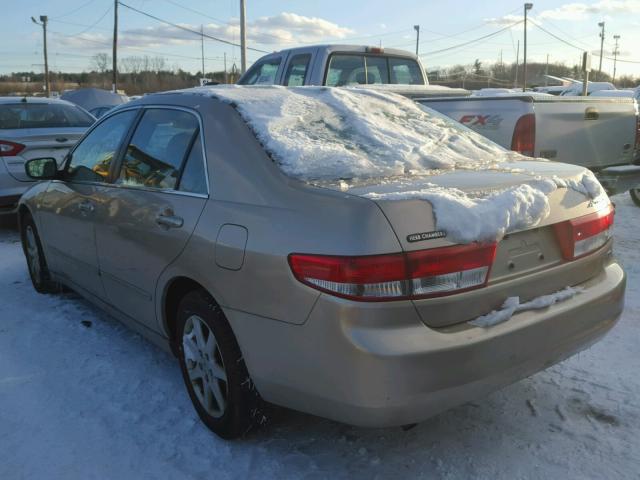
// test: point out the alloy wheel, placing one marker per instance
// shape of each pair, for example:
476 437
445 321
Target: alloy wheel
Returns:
205 366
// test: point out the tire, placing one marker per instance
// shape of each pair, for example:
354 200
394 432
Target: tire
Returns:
215 373
34 254
635 196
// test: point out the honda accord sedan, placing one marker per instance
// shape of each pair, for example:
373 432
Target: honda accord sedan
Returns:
30 128
341 252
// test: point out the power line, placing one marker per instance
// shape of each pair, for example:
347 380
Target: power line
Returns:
489 35
195 32
86 4
576 47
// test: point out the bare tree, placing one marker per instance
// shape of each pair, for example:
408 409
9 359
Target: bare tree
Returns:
100 62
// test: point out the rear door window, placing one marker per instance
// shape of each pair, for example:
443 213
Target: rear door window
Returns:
262 73
405 71
42 115
297 70
158 148
92 158
193 179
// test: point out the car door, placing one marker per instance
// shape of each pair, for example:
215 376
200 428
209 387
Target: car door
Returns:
151 209
71 205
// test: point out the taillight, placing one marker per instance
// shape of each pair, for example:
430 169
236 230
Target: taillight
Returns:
10 149
524 135
584 235
421 274
638 133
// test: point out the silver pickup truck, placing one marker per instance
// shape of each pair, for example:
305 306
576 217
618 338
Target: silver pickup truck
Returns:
593 132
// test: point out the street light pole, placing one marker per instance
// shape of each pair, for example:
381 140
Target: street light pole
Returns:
417 29
616 52
243 37
601 25
43 22
114 80
527 7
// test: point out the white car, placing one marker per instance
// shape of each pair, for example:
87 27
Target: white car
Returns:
33 127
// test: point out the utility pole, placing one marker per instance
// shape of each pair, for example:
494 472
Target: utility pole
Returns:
515 82
601 25
44 19
226 78
527 7
417 29
243 37
546 72
114 80
616 52
202 48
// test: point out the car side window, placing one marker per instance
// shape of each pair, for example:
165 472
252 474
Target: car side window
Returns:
193 179
262 73
297 70
92 158
158 148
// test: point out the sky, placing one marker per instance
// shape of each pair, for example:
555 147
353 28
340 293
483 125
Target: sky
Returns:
450 33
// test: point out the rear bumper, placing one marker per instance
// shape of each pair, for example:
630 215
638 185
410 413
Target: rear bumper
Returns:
373 365
10 191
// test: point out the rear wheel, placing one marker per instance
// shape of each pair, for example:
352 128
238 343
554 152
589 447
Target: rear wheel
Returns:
213 369
32 247
635 195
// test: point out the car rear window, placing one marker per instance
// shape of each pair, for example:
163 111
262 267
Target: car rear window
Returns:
350 69
42 115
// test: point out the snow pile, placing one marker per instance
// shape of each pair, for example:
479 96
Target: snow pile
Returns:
512 305
316 133
486 217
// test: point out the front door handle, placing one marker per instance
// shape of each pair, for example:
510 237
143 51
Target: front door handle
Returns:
86 207
168 220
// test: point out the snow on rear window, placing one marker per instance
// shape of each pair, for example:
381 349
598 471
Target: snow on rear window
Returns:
321 133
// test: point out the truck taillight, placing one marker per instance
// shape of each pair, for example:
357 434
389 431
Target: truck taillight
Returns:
584 235
413 275
524 135
374 50
10 149
638 133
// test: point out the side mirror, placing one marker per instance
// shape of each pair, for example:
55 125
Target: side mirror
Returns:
41 168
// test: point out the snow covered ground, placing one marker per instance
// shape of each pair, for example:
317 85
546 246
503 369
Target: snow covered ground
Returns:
83 397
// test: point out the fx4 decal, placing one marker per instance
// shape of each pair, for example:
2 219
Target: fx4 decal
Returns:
482 121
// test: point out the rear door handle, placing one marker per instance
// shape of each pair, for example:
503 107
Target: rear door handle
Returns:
86 207
168 220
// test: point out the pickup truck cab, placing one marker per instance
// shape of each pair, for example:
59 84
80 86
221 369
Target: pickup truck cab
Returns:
337 66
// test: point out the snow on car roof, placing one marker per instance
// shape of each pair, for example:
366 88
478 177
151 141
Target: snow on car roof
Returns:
324 133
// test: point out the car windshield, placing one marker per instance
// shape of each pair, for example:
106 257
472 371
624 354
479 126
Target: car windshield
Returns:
42 115
324 134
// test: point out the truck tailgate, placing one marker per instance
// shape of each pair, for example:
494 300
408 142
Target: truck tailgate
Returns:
592 132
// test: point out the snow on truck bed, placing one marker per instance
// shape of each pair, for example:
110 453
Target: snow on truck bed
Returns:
345 138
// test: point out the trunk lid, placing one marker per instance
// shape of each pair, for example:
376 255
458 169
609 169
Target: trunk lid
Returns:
39 142
528 262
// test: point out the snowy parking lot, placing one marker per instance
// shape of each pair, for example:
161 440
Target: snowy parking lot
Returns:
83 397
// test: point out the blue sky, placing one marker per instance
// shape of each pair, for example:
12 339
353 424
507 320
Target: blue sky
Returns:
82 28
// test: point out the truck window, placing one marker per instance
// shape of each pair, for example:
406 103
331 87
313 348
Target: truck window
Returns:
262 73
346 70
405 71
297 70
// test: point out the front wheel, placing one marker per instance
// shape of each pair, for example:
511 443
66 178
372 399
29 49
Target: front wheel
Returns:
213 368
635 196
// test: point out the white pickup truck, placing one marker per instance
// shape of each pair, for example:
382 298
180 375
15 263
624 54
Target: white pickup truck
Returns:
593 132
